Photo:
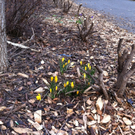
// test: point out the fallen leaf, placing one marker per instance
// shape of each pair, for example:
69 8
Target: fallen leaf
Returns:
76 123
89 102
22 130
23 75
133 126
105 73
99 103
39 90
1 123
38 116
45 81
69 111
2 108
106 118
127 121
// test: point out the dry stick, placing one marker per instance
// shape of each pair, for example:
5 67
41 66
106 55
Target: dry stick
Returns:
101 84
79 9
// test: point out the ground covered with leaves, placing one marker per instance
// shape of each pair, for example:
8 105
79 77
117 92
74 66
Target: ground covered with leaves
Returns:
49 87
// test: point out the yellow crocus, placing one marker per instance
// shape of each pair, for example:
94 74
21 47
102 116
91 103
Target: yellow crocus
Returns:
50 90
56 79
63 59
89 66
85 68
56 88
80 62
77 92
72 85
38 97
88 83
68 61
67 83
84 76
65 64
51 78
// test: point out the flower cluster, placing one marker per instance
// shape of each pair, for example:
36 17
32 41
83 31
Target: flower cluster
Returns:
53 86
64 65
87 67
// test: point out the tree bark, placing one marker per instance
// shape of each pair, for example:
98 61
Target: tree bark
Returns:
3 43
125 68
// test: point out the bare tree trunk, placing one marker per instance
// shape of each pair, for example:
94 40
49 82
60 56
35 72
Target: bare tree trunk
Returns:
125 68
3 43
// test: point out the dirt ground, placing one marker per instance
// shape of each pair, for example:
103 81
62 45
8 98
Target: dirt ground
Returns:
30 70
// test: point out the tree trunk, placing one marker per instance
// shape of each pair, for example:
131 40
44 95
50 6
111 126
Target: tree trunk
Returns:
3 43
126 68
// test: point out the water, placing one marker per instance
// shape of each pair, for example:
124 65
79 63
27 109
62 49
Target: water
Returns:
122 10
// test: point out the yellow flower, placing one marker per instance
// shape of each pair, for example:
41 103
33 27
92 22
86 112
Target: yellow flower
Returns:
80 62
38 97
51 78
67 83
65 64
68 61
50 90
63 59
88 83
56 88
84 76
85 68
89 66
56 79
77 92
72 85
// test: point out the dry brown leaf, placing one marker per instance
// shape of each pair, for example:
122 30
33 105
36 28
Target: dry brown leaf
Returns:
53 74
69 111
133 126
2 108
36 125
89 102
39 90
76 123
99 103
78 72
45 81
32 101
23 75
85 120
22 130
127 121
105 73
1 123
90 117
106 118
38 116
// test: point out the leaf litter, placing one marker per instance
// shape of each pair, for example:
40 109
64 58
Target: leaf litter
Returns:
29 73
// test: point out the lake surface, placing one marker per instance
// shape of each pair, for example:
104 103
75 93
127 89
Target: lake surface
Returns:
123 11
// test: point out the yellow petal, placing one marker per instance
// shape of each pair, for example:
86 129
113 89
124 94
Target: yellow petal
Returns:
51 78
56 79
50 90
63 59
